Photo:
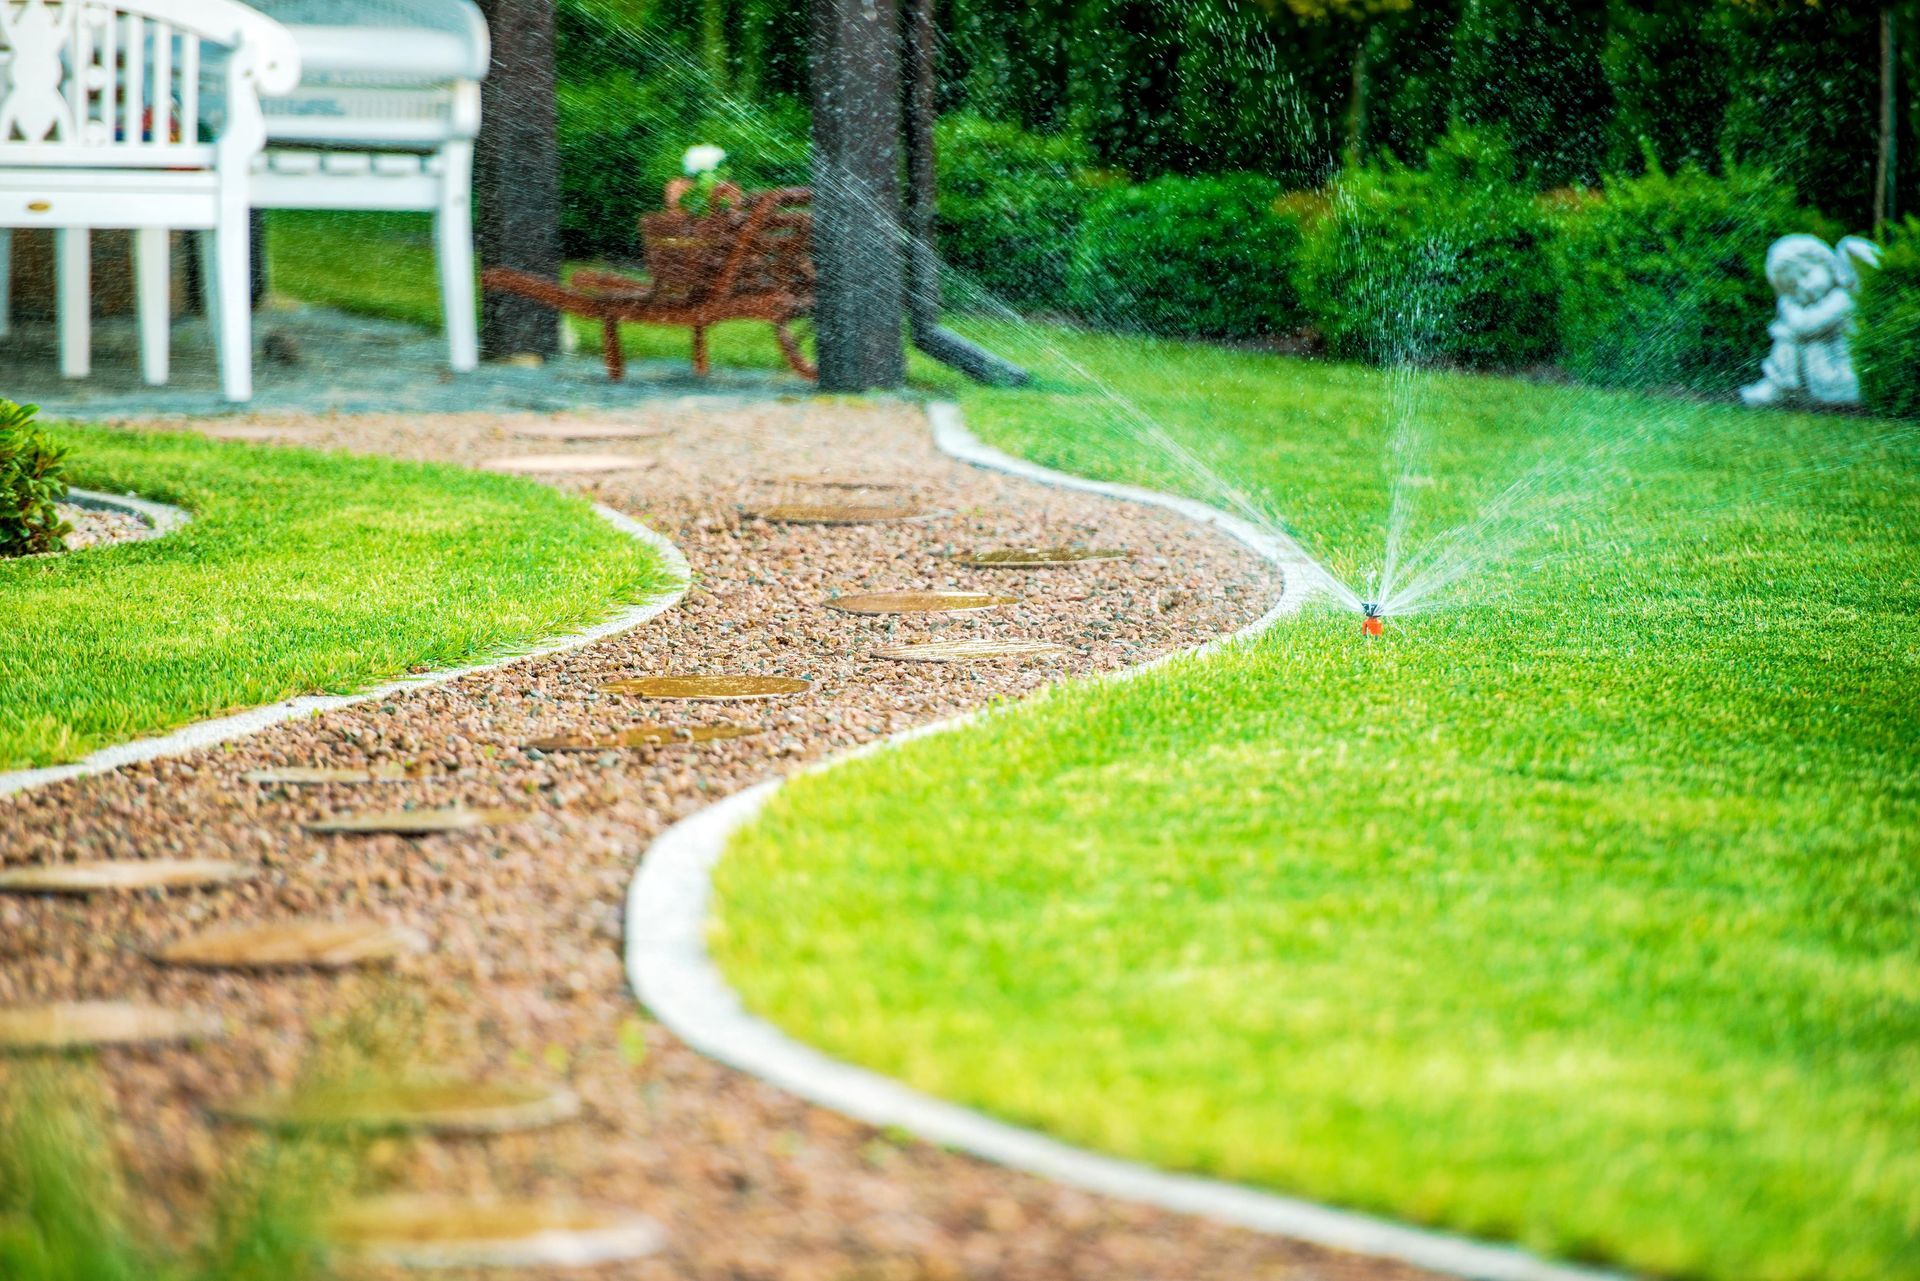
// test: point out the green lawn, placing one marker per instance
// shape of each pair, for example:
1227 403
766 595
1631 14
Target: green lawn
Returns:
301 572
1583 913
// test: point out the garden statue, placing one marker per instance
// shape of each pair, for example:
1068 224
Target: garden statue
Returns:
1816 285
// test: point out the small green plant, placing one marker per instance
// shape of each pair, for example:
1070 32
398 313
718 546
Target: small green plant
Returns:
1442 265
65 1213
1210 257
1886 350
31 482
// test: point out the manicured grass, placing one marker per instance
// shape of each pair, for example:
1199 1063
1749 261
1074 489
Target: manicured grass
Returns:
67 1212
1582 916
381 264
1582 913
302 572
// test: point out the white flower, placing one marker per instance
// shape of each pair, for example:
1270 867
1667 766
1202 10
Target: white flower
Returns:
704 158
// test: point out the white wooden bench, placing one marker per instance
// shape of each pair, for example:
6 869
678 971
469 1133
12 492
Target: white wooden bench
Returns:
384 118
144 115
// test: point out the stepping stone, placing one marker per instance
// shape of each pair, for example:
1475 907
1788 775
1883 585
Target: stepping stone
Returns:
589 431
646 736
918 602
451 1232
1036 557
838 514
967 651
123 874
709 687
319 775
416 822
565 464
327 945
434 1107
72 1025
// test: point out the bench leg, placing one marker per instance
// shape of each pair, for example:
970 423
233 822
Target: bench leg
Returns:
233 291
453 245
790 348
74 254
6 281
610 348
151 300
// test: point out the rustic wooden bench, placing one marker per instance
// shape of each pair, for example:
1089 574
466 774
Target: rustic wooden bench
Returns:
748 257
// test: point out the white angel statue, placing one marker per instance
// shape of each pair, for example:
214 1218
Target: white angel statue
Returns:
1816 286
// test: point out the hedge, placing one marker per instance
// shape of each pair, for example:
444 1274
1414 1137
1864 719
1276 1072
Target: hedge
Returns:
1442 265
1663 280
1209 257
1011 203
1886 344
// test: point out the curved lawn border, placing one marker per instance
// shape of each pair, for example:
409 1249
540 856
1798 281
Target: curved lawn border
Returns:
253 720
671 971
161 518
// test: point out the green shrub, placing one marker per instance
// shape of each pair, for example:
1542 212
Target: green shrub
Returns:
1886 347
766 147
1212 257
1443 265
1010 206
30 485
609 129
621 140
1663 280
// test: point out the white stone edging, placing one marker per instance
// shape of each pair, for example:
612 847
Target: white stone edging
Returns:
161 518
221 729
675 977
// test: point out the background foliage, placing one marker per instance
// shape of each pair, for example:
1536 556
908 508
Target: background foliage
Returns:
1441 264
1887 348
1212 256
1290 88
1661 281
1511 182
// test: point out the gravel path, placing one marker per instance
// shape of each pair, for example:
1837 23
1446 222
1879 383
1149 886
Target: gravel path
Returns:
523 979
93 527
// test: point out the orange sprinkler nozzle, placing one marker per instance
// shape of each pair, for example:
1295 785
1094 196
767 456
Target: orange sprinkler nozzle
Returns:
1371 626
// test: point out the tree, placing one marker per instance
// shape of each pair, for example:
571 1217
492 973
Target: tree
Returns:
1532 69
517 175
1666 66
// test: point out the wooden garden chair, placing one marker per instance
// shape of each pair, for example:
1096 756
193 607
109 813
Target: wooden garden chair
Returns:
749 257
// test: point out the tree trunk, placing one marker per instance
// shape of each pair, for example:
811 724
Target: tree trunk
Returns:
1884 171
713 42
1357 100
857 242
517 176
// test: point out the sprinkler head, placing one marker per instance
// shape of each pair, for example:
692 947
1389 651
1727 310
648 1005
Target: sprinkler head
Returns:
1370 625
